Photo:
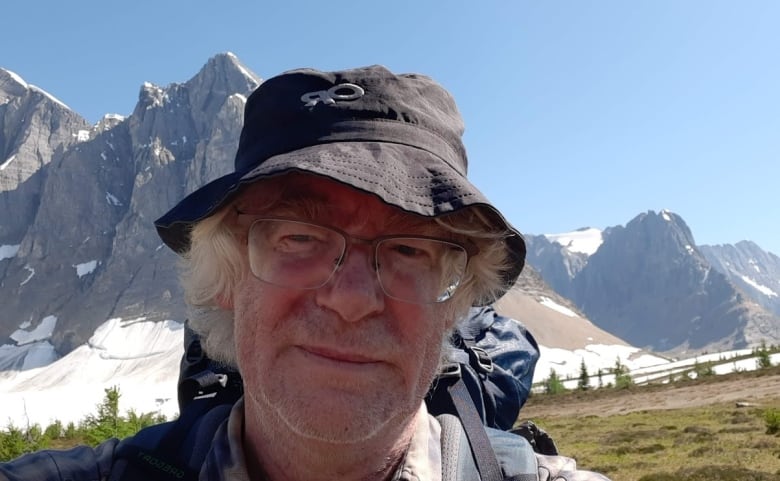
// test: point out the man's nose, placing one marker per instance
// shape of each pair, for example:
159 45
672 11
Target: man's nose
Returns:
354 291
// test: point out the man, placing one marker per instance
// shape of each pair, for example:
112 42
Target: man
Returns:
329 268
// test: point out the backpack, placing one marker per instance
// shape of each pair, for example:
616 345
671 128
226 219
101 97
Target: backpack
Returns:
495 357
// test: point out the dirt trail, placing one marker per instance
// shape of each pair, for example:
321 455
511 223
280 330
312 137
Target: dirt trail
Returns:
761 391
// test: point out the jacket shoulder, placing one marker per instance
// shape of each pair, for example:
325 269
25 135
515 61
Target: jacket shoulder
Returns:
82 462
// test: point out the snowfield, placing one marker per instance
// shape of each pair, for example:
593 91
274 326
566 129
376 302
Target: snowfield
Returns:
140 357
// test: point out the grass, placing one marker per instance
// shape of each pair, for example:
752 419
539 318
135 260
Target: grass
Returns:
718 442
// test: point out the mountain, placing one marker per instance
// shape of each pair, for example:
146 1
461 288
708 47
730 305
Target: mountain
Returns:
559 258
751 269
35 130
649 283
84 248
553 320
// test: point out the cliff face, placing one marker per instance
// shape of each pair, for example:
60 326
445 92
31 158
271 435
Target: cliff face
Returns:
750 268
85 249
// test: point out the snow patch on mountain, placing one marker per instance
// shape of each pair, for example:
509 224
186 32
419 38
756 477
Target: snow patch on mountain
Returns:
85 268
547 302
49 96
7 162
112 200
759 287
27 356
16 78
241 68
8 251
586 241
41 332
141 358
29 276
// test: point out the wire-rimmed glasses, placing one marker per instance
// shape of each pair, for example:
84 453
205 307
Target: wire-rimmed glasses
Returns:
412 268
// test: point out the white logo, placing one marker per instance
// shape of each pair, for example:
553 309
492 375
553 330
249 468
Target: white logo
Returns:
333 94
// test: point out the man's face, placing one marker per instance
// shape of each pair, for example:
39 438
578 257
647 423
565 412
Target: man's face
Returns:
342 362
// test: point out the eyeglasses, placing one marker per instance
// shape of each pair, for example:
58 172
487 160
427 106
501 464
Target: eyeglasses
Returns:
302 255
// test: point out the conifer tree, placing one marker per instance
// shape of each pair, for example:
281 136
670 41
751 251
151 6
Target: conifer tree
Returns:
584 381
554 385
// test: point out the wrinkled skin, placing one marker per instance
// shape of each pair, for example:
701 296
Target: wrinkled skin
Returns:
334 377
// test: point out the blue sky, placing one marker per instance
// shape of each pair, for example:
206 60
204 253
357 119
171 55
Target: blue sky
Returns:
577 113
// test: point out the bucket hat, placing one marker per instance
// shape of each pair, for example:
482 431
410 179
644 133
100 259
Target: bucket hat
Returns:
395 136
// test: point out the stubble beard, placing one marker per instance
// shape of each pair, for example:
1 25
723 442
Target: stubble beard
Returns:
345 414
340 414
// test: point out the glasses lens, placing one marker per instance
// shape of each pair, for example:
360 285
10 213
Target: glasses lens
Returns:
293 254
419 270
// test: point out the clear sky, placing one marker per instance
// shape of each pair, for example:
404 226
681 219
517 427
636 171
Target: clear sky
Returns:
577 113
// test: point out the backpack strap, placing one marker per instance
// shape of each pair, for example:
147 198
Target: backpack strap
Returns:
514 455
484 457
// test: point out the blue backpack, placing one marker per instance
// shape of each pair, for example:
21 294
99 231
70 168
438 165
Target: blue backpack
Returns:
494 356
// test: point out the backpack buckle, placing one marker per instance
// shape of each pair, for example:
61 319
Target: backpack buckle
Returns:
450 370
480 359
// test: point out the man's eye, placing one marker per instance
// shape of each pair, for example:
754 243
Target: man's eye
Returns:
300 243
302 238
408 251
415 250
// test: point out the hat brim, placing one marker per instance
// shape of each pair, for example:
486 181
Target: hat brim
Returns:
412 179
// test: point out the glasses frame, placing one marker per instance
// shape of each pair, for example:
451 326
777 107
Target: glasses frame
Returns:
349 240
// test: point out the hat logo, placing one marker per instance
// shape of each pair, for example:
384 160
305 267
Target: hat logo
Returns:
332 95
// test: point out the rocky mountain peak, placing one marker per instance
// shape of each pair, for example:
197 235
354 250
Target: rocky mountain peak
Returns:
35 130
660 232
649 284
221 76
96 205
11 85
750 268
27 115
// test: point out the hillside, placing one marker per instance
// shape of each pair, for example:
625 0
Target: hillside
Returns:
760 388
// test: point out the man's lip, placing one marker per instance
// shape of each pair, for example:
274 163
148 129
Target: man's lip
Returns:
337 355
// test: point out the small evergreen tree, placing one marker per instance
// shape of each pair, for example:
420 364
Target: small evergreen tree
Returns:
623 379
554 385
703 370
107 423
12 443
763 359
71 432
583 383
54 430
772 420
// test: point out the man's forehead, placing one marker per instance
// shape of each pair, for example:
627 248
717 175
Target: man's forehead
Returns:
323 199
300 187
